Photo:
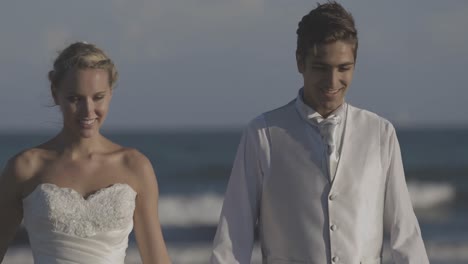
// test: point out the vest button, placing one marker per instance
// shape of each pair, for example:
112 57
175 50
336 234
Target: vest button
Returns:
335 259
332 197
333 227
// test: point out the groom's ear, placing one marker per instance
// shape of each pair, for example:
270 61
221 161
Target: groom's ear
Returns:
300 62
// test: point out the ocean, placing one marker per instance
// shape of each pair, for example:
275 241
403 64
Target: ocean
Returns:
193 166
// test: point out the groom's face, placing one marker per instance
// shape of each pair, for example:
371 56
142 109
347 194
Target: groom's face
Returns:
327 71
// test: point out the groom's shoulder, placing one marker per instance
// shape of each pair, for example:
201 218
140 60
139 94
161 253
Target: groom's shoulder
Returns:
369 118
264 119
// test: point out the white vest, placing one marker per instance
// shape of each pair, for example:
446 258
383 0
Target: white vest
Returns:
306 219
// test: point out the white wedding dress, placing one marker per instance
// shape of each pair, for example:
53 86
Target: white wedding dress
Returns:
65 228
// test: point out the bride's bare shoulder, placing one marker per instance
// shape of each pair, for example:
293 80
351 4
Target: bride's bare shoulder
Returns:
27 163
139 168
135 161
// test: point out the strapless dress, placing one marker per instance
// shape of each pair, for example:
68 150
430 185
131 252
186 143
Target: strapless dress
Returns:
65 228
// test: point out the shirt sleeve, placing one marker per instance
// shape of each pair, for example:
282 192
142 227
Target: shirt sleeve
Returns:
406 242
234 239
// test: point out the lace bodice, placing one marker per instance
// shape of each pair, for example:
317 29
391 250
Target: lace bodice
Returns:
64 227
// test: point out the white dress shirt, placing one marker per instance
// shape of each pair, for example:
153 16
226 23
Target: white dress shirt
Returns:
279 185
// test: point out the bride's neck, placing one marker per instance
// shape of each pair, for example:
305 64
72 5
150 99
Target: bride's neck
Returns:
78 147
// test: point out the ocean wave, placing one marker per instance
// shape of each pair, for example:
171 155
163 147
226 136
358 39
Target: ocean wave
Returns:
181 210
426 195
196 253
204 209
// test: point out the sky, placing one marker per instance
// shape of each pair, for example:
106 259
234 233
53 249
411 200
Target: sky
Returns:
219 63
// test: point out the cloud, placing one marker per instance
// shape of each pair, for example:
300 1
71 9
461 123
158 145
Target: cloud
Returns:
150 30
447 32
55 37
233 51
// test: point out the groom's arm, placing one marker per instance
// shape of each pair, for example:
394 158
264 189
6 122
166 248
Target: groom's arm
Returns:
234 238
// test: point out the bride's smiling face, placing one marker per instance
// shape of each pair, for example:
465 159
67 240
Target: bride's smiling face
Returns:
82 82
84 96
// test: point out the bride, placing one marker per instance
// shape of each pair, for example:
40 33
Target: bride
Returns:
80 194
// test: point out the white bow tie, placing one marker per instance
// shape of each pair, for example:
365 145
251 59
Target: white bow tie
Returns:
327 127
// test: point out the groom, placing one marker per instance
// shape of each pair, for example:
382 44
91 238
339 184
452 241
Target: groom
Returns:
319 178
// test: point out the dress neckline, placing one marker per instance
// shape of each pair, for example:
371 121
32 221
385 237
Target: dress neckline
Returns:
71 190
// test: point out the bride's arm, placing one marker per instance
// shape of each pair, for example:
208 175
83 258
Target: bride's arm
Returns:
146 220
11 210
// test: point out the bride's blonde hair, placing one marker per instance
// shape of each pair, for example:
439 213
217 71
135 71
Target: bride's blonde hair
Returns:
81 55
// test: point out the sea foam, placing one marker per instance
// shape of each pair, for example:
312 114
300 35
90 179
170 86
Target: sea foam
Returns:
205 208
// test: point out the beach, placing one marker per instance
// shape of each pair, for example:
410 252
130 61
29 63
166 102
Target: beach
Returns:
439 253
193 169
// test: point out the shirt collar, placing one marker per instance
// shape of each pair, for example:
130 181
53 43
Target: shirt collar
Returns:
308 113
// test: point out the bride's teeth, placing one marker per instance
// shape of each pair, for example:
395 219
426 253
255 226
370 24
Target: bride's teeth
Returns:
87 121
332 91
